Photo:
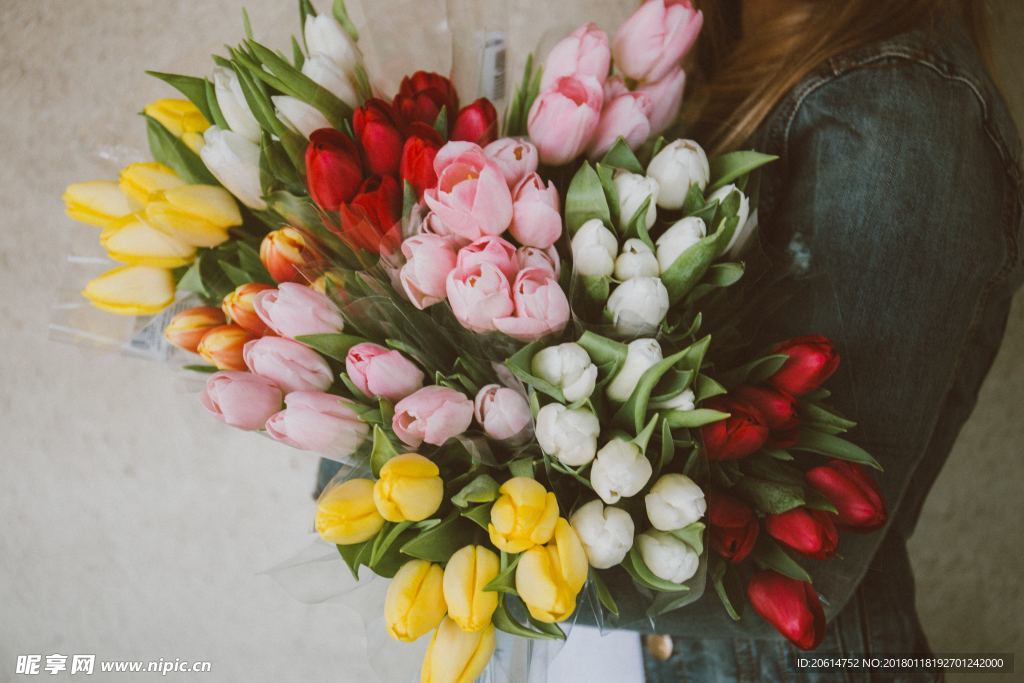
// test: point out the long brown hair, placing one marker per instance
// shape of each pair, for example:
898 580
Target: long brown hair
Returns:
742 77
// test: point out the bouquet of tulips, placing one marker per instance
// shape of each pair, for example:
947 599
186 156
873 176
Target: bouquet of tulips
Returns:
503 331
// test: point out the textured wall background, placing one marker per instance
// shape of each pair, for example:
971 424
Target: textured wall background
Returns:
133 526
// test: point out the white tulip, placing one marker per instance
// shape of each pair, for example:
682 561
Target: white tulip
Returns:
667 557
568 434
684 400
674 502
233 106
641 354
235 162
593 249
679 165
299 116
681 236
636 260
620 470
567 366
328 76
638 306
325 37
606 533
721 194
633 189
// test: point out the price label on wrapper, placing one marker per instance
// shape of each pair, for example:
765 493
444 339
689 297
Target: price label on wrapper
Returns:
492 66
148 340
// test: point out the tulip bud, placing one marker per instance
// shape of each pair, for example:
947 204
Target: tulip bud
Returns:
809 532
812 360
471 197
564 117
232 104
790 606
346 515
381 372
524 515
289 255
594 248
549 578
536 221
223 346
667 557
418 153
855 495
654 39
666 97
545 259
198 215
636 260
235 162
373 214
638 306
496 251
721 194
414 603
620 470
568 434
675 241
641 355
409 488
186 329
144 181
683 401
541 307
741 434
778 410
477 122
131 290
568 367
421 97
633 190
732 526
469 569
326 38
457 655
238 306
377 131
675 502
137 242
99 202
319 422
478 296
584 52
624 115
181 118
606 533
433 414
287 363
241 399
679 165
328 76
516 157
503 413
429 259
299 116
293 310
334 169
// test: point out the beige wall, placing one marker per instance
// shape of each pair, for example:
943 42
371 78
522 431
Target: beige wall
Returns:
133 526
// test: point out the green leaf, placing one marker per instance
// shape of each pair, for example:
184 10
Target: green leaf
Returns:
483 489
521 467
728 587
756 370
172 152
217 117
606 174
834 447
707 387
249 261
237 276
191 87
816 500
605 352
692 535
644 436
690 267
385 538
355 555
698 417
585 200
521 365
819 415
777 453
637 225
768 554
382 451
668 449
505 581
503 621
341 14
729 167
334 346
291 81
604 595
479 515
694 200
246 24
633 412
770 497
206 369
441 122
438 543
621 156
298 58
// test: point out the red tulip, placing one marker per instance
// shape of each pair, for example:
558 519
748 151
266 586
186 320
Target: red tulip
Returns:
856 496
372 213
333 168
418 154
742 433
477 122
779 411
732 526
790 606
812 360
376 129
421 96
809 532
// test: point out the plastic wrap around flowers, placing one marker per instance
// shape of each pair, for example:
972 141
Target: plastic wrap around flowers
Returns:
502 329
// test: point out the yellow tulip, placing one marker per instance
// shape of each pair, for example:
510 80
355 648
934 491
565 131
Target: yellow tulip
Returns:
182 118
195 214
97 202
132 290
523 516
467 572
142 181
345 514
409 488
457 656
549 578
414 604
136 242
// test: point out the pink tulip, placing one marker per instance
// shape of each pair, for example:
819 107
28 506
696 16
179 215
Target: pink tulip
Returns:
293 310
471 198
536 221
478 296
624 116
496 251
315 421
564 117
378 371
241 399
532 257
288 364
540 307
584 52
666 98
502 412
433 414
428 260
654 40
516 157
